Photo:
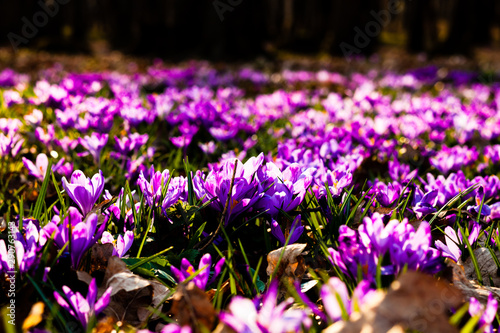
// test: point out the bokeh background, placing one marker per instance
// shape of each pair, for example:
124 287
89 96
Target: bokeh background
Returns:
180 29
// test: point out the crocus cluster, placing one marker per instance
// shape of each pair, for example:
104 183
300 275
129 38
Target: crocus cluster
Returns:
280 147
375 239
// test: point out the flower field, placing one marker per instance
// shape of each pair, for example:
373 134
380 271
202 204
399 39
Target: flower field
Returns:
204 199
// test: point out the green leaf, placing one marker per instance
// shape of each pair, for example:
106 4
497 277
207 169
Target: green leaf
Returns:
43 192
148 259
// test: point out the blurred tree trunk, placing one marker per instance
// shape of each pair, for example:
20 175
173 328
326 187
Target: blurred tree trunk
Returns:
345 19
182 29
421 25
470 25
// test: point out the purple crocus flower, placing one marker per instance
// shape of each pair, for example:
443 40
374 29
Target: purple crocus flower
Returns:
67 144
201 280
247 316
337 180
11 97
84 309
286 189
489 186
208 148
336 298
374 233
34 118
454 241
23 250
152 189
172 328
67 118
130 143
401 172
39 168
84 234
246 191
452 159
186 128
487 313
373 241
485 209
45 137
388 194
447 187
84 191
181 141
10 144
423 204
122 243
224 133
296 230
413 248
94 144
495 212
10 125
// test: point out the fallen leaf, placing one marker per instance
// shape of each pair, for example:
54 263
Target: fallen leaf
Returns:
131 294
98 259
420 302
291 267
192 307
127 306
415 301
364 320
84 276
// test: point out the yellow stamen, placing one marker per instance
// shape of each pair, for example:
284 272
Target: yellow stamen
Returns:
235 202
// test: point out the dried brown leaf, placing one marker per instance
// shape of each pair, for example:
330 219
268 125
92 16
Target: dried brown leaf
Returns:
84 276
420 302
364 321
192 307
128 306
131 294
99 257
291 266
415 301
119 277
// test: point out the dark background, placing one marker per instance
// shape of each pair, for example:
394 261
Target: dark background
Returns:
176 29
